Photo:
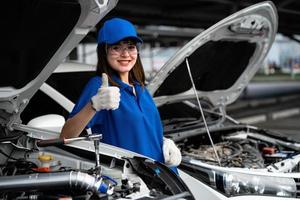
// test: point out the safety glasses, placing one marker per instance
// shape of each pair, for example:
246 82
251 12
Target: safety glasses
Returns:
118 49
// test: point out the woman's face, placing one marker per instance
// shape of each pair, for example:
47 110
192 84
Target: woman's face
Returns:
122 56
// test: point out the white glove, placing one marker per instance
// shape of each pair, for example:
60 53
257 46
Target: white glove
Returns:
107 97
171 153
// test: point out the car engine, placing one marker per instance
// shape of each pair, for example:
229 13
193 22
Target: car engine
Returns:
29 170
243 148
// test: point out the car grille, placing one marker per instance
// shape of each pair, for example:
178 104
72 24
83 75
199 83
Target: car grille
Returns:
297 180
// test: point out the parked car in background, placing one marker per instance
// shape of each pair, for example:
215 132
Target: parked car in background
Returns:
34 163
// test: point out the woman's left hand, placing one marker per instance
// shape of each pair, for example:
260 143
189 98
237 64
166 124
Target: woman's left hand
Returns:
171 153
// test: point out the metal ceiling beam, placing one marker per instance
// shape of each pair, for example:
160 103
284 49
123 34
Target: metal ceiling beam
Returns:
284 3
288 11
218 1
157 31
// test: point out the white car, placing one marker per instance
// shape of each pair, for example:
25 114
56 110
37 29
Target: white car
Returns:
224 158
192 90
34 163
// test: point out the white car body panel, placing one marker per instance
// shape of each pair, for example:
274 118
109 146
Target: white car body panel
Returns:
263 12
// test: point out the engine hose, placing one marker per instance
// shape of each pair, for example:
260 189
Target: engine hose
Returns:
53 181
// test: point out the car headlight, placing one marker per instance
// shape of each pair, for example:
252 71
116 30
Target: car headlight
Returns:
237 183
233 183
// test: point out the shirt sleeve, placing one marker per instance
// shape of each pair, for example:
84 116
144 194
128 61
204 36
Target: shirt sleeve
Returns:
88 92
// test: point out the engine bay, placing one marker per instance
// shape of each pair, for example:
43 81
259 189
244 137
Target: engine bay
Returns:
28 171
242 148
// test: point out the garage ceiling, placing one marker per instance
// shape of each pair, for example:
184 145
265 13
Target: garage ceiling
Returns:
197 14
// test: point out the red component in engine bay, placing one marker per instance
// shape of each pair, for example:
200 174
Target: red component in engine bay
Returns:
269 150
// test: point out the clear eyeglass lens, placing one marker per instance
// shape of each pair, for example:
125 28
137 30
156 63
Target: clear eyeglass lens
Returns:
118 49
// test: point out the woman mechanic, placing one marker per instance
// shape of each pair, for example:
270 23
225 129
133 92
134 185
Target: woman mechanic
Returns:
116 102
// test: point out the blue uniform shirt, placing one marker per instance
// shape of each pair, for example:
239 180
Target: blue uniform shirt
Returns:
135 125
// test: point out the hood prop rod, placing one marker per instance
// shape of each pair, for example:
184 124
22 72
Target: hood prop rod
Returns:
201 110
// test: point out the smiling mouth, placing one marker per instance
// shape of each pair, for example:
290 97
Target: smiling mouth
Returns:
124 61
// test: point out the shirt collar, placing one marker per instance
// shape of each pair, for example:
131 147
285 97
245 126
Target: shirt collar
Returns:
121 83
127 87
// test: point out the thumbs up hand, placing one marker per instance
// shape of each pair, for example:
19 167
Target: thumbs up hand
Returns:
107 97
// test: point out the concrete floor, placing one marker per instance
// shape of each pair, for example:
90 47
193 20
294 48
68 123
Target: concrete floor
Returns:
281 114
289 126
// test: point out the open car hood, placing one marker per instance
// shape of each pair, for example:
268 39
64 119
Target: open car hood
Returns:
222 59
38 36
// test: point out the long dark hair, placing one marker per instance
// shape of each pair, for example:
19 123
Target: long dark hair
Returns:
136 74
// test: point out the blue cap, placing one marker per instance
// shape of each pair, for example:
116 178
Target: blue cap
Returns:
115 30
103 188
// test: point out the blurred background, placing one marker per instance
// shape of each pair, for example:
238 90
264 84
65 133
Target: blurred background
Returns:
271 100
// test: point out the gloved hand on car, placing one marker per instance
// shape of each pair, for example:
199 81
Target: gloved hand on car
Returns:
107 97
171 153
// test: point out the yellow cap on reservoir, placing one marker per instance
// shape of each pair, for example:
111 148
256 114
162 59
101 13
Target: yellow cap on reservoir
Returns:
45 157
